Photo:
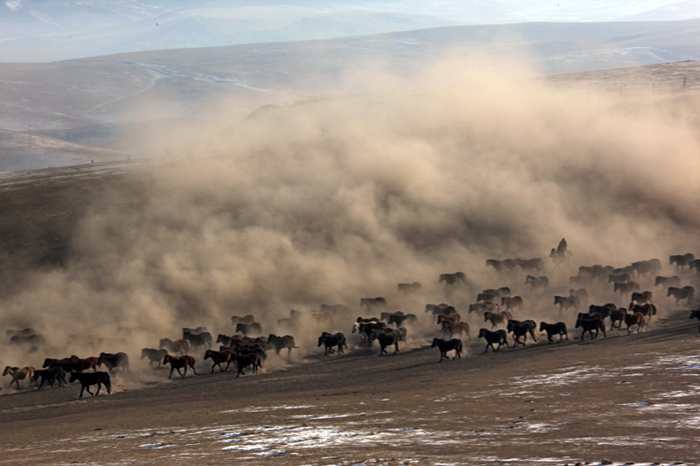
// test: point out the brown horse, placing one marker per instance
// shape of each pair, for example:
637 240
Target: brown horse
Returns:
80 365
617 315
246 319
647 310
450 318
178 362
511 302
174 346
456 327
634 319
497 317
687 292
19 374
219 357
626 288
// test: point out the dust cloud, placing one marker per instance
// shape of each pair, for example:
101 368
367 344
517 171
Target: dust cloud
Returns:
332 200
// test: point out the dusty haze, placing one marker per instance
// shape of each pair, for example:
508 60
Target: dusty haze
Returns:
329 201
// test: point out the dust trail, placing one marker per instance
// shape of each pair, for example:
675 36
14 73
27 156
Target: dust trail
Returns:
329 201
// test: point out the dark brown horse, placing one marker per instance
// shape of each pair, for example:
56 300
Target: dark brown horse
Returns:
179 362
497 317
634 319
219 357
80 365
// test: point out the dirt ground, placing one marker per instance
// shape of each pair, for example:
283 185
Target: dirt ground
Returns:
620 399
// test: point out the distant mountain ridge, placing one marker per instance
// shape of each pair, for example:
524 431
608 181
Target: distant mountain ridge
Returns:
49 30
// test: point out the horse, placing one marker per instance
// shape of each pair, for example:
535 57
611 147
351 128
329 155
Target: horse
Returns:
485 306
455 327
194 331
453 278
399 320
499 336
558 328
408 288
565 302
96 378
649 267
617 315
588 324
450 318
620 278
80 365
637 319
505 265
498 293
454 344
695 315
200 339
511 302
681 260
444 309
332 308
153 355
179 362
219 357
18 374
694 264
365 329
386 316
331 340
278 343
246 329
386 339
374 303
521 329
601 311
176 346
227 340
243 361
322 317
55 374
646 309
246 319
114 361
642 298
27 340
581 294
537 283
26 332
64 364
667 281
626 288
581 279
486 296
497 317
526 265
687 292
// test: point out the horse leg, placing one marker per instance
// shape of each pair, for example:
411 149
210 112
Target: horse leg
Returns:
194 370
99 386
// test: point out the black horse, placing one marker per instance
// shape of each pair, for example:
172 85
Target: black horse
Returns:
589 323
558 328
91 378
330 340
448 345
499 336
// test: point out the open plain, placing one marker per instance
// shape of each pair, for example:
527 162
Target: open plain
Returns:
330 201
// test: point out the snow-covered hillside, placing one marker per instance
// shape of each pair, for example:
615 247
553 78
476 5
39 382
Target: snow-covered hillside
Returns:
48 30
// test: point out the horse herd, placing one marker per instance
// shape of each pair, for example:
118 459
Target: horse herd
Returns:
247 348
